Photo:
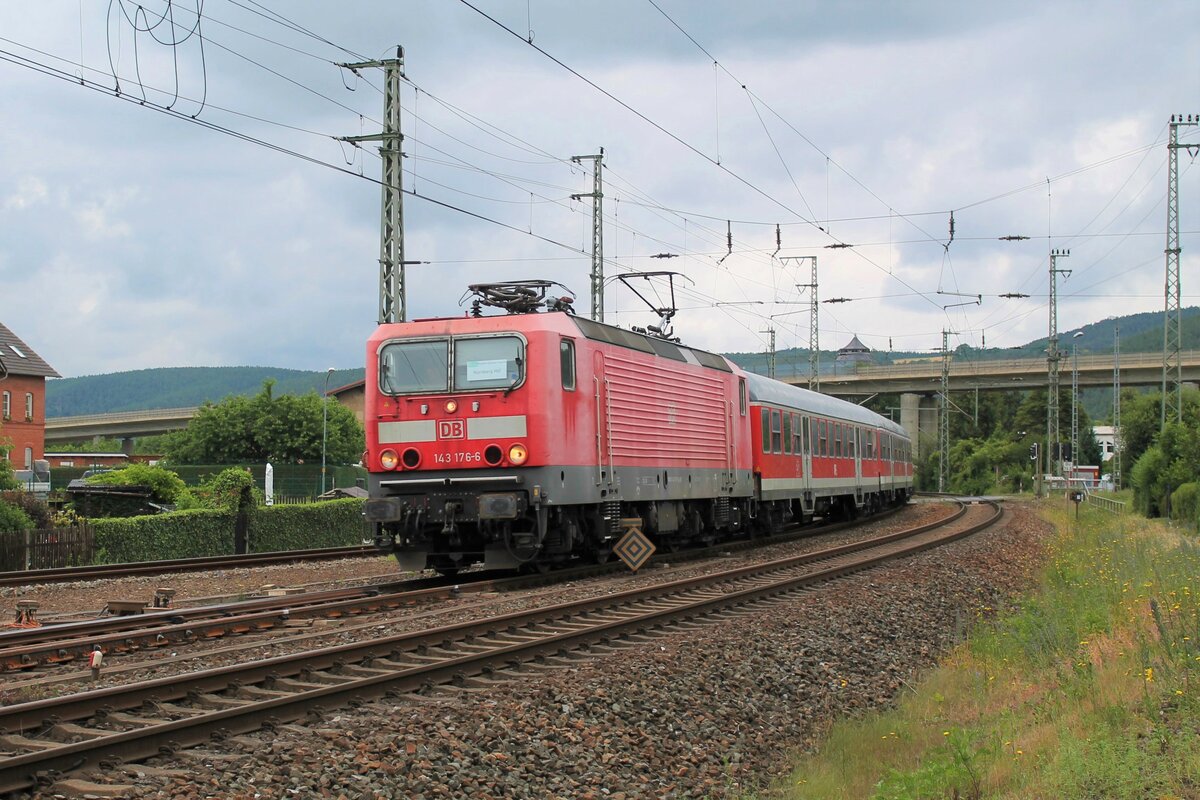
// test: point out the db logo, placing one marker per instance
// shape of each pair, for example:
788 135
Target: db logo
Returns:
451 429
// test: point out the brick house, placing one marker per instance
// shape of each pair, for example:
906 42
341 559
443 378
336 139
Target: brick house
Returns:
23 376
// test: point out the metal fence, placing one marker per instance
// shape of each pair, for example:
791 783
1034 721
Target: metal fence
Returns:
292 500
46 548
1107 503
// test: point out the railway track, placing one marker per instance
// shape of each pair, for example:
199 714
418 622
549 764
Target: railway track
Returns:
24 649
33 577
41 740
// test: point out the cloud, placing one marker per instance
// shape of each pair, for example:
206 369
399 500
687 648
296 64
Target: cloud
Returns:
175 245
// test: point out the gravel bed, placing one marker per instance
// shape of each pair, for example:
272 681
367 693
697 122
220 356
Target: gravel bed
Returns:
91 596
707 714
208 654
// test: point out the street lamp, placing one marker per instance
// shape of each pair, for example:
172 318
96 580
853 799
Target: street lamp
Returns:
324 425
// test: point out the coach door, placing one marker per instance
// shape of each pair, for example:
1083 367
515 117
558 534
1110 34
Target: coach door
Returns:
604 471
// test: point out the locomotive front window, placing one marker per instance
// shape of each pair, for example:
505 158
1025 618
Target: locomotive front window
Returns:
491 362
420 366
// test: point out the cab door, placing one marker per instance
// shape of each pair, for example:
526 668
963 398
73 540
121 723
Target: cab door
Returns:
600 392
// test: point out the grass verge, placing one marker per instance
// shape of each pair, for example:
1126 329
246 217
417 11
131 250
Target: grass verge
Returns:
1086 689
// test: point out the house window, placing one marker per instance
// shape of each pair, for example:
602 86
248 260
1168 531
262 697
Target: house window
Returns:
29 407
6 407
28 458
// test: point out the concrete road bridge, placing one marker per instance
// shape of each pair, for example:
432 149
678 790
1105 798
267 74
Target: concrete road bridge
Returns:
917 383
123 425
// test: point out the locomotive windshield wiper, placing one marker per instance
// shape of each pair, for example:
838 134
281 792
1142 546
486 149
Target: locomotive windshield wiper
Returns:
513 385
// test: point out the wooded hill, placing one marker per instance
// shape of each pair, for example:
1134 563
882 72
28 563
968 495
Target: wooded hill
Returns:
181 387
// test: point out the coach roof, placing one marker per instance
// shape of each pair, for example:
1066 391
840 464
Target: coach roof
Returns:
772 392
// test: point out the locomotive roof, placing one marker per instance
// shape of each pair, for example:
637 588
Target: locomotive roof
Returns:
560 321
768 390
621 337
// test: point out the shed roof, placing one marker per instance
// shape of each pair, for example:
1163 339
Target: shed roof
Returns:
20 359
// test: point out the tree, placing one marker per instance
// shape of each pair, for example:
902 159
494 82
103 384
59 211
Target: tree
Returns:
7 479
1141 417
1171 462
267 428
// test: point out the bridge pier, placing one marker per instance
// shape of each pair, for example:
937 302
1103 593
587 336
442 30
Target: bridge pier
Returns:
919 418
127 445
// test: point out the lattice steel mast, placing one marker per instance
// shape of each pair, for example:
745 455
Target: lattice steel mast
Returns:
944 416
1116 457
597 196
1172 380
391 238
814 344
1054 453
771 352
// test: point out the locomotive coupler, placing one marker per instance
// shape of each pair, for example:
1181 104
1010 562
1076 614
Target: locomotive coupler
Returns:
449 528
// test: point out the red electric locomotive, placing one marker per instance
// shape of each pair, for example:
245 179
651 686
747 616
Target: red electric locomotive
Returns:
525 439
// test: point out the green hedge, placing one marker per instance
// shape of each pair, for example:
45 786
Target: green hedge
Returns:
331 523
180 534
204 532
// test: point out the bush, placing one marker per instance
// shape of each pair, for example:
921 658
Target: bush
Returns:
1185 503
35 509
179 534
209 532
332 523
167 487
13 519
226 489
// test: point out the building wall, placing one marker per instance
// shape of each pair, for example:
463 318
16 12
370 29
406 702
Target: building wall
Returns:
19 430
354 398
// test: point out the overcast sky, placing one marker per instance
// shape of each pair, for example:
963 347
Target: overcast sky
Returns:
134 238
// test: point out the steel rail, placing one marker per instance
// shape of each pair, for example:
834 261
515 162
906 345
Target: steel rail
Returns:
400 663
62 643
33 577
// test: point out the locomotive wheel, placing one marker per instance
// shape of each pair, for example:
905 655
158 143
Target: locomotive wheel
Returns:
446 572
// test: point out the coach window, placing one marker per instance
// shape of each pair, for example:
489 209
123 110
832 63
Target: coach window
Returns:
870 444
824 440
804 427
566 358
776 430
787 434
850 438
765 424
742 395
797 439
